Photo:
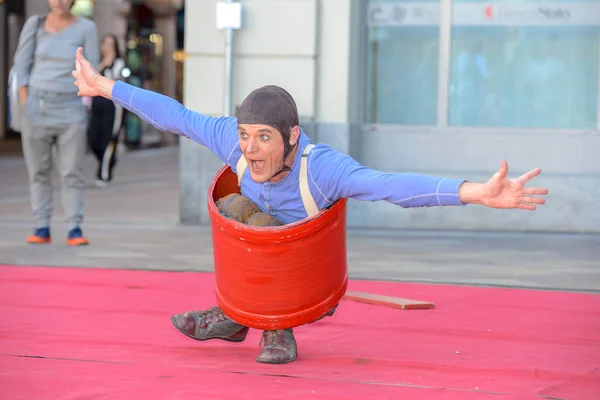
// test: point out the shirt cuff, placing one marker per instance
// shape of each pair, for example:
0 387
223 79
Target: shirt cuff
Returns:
122 93
447 192
22 79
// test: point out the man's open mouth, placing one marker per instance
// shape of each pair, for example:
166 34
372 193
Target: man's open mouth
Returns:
257 165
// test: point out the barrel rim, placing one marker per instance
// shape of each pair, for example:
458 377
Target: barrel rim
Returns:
275 234
274 322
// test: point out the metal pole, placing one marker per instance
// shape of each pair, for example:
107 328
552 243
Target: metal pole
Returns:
3 67
445 48
598 94
228 69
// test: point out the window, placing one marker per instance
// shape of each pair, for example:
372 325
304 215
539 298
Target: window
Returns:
402 68
525 64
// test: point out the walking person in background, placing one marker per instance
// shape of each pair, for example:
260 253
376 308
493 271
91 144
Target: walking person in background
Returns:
106 116
54 117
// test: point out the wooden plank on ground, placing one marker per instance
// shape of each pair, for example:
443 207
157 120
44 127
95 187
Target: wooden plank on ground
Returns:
388 301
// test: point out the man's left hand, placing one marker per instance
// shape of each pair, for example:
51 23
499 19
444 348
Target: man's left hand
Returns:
501 192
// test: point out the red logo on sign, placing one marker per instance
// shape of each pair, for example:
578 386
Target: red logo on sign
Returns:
489 11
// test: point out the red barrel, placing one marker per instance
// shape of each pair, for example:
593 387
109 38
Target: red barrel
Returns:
277 277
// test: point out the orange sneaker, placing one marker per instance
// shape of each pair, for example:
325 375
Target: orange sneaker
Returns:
41 235
75 238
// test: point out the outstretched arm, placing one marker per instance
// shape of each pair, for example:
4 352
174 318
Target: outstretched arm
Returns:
336 175
220 135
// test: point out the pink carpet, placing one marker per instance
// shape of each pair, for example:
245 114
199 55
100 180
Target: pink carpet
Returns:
70 333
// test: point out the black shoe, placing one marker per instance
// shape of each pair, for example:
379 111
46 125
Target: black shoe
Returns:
328 314
209 324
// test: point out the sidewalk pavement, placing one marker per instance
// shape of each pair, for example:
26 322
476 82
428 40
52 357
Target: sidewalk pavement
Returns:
133 224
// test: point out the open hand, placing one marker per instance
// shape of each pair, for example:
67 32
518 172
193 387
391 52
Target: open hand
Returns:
501 192
85 76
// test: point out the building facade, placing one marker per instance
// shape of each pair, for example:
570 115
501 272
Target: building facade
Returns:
149 33
447 88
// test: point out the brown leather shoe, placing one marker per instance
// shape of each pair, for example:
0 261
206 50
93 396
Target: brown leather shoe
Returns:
209 324
280 347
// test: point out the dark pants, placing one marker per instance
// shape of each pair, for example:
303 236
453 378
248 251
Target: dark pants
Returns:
103 137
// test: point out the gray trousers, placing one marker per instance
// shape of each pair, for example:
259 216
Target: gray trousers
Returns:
41 144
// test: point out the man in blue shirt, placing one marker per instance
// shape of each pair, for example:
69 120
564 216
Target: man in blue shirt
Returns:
266 148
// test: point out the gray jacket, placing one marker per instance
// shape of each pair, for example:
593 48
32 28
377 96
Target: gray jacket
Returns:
53 98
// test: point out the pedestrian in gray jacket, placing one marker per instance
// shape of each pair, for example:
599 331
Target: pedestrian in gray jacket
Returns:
54 117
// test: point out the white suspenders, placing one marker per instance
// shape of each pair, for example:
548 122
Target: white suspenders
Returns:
309 202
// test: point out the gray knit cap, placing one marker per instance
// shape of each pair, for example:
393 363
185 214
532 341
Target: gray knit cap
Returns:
272 106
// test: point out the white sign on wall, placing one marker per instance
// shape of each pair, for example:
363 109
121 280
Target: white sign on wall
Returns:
490 14
530 14
229 15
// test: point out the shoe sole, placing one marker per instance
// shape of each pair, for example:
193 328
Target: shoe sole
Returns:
38 241
277 362
202 340
78 242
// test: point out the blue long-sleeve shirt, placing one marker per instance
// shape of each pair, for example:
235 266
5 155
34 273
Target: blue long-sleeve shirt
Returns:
332 175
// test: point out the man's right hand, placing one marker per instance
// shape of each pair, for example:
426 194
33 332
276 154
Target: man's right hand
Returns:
88 80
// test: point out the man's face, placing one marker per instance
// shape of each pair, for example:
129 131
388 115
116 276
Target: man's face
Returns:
262 147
